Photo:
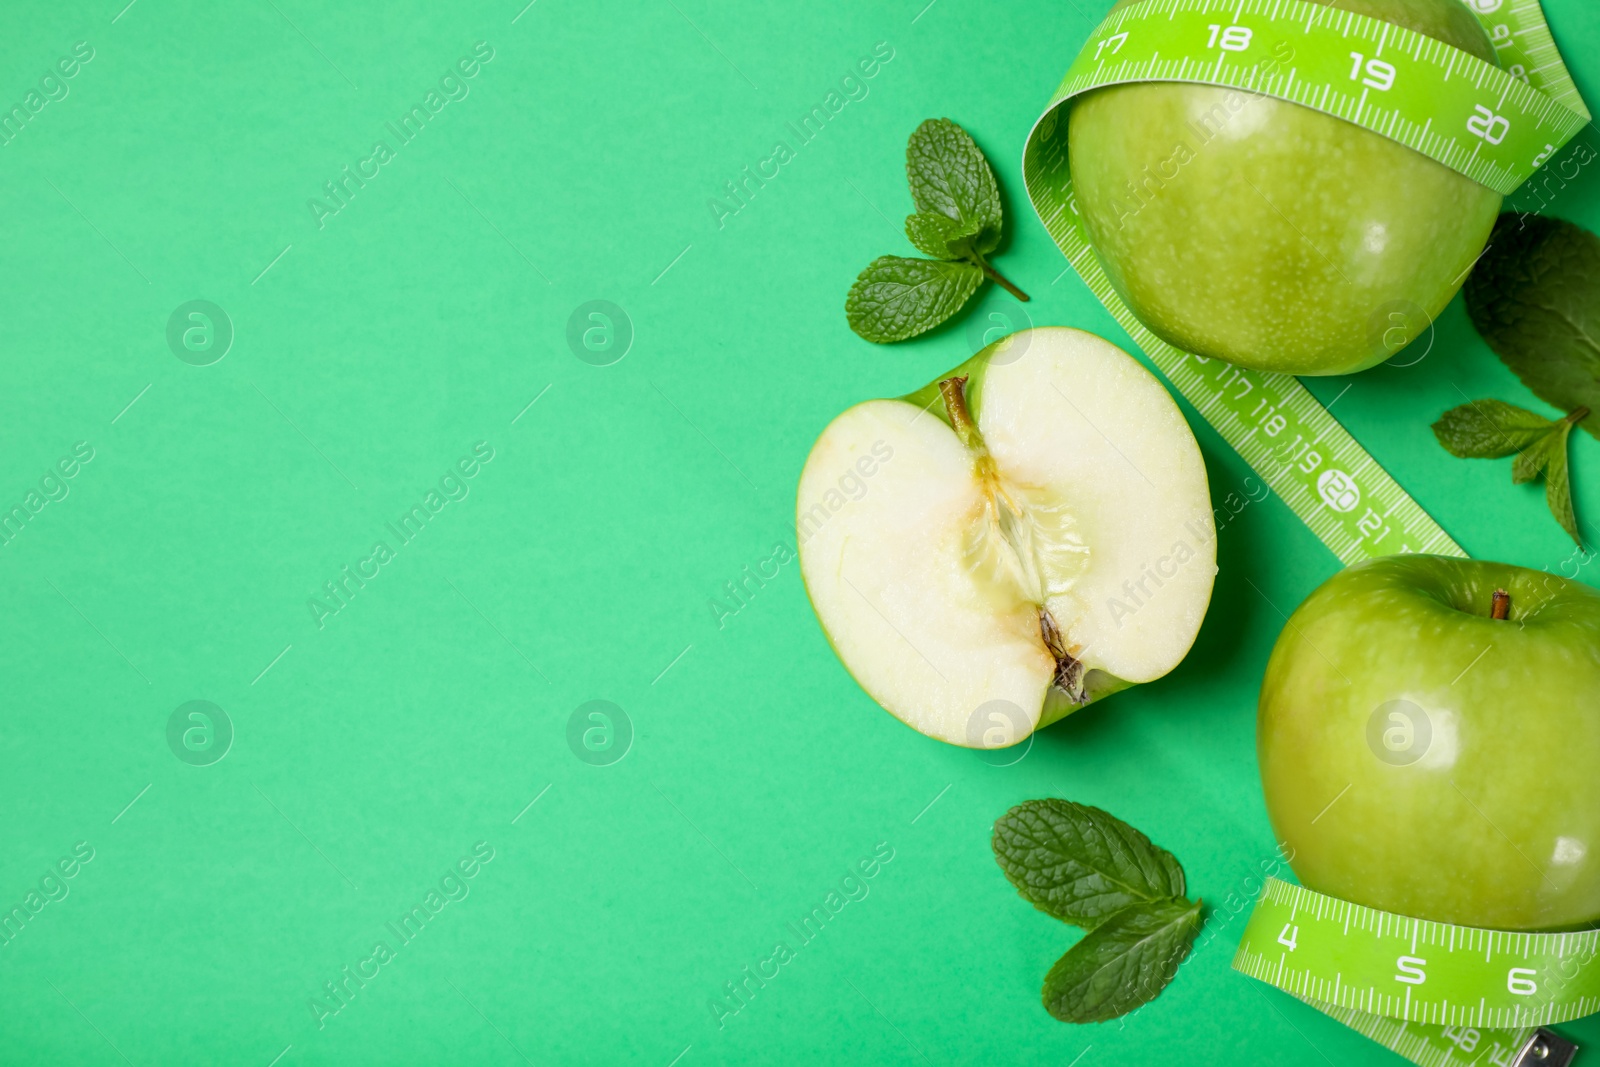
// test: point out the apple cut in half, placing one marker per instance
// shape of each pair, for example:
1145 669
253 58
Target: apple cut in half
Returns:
1020 537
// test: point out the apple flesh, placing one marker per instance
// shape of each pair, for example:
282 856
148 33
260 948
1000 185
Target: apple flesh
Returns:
1032 531
1270 235
1422 757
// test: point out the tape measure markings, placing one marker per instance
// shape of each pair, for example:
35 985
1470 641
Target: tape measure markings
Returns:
1514 148
1517 53
1429 1045
1295 938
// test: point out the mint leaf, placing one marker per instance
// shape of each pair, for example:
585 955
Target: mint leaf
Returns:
1489 429
1081 864
896 298
1122 963
939 236
950 177
1557 490
1535 298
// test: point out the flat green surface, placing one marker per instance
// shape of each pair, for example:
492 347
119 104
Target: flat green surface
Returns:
370 355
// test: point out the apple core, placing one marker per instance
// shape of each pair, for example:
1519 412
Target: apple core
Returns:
1042 537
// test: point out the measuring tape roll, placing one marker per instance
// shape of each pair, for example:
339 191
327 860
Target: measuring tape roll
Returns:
1516 118
1433 1001
1458 990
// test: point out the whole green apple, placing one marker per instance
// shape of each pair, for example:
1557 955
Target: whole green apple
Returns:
1270 235
1422 756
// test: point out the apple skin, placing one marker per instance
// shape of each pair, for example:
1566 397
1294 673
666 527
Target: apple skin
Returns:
1274 236
1494 819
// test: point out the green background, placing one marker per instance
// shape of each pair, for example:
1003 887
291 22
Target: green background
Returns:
370 355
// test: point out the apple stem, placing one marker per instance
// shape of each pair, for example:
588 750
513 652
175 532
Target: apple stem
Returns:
1001 280
1501 604
955 402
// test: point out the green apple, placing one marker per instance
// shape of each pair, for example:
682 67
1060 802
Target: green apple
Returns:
1422 756
1270 235
1025 534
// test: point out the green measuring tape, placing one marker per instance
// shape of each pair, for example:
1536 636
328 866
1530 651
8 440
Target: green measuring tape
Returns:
1433 992
1495 125
1436 994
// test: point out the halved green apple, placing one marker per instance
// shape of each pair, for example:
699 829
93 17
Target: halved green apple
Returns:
1020 537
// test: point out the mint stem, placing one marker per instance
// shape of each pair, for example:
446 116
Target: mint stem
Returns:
1578 416
1001 279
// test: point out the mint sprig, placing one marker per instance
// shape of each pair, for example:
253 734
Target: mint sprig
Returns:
1088 868
958 222
1493 429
